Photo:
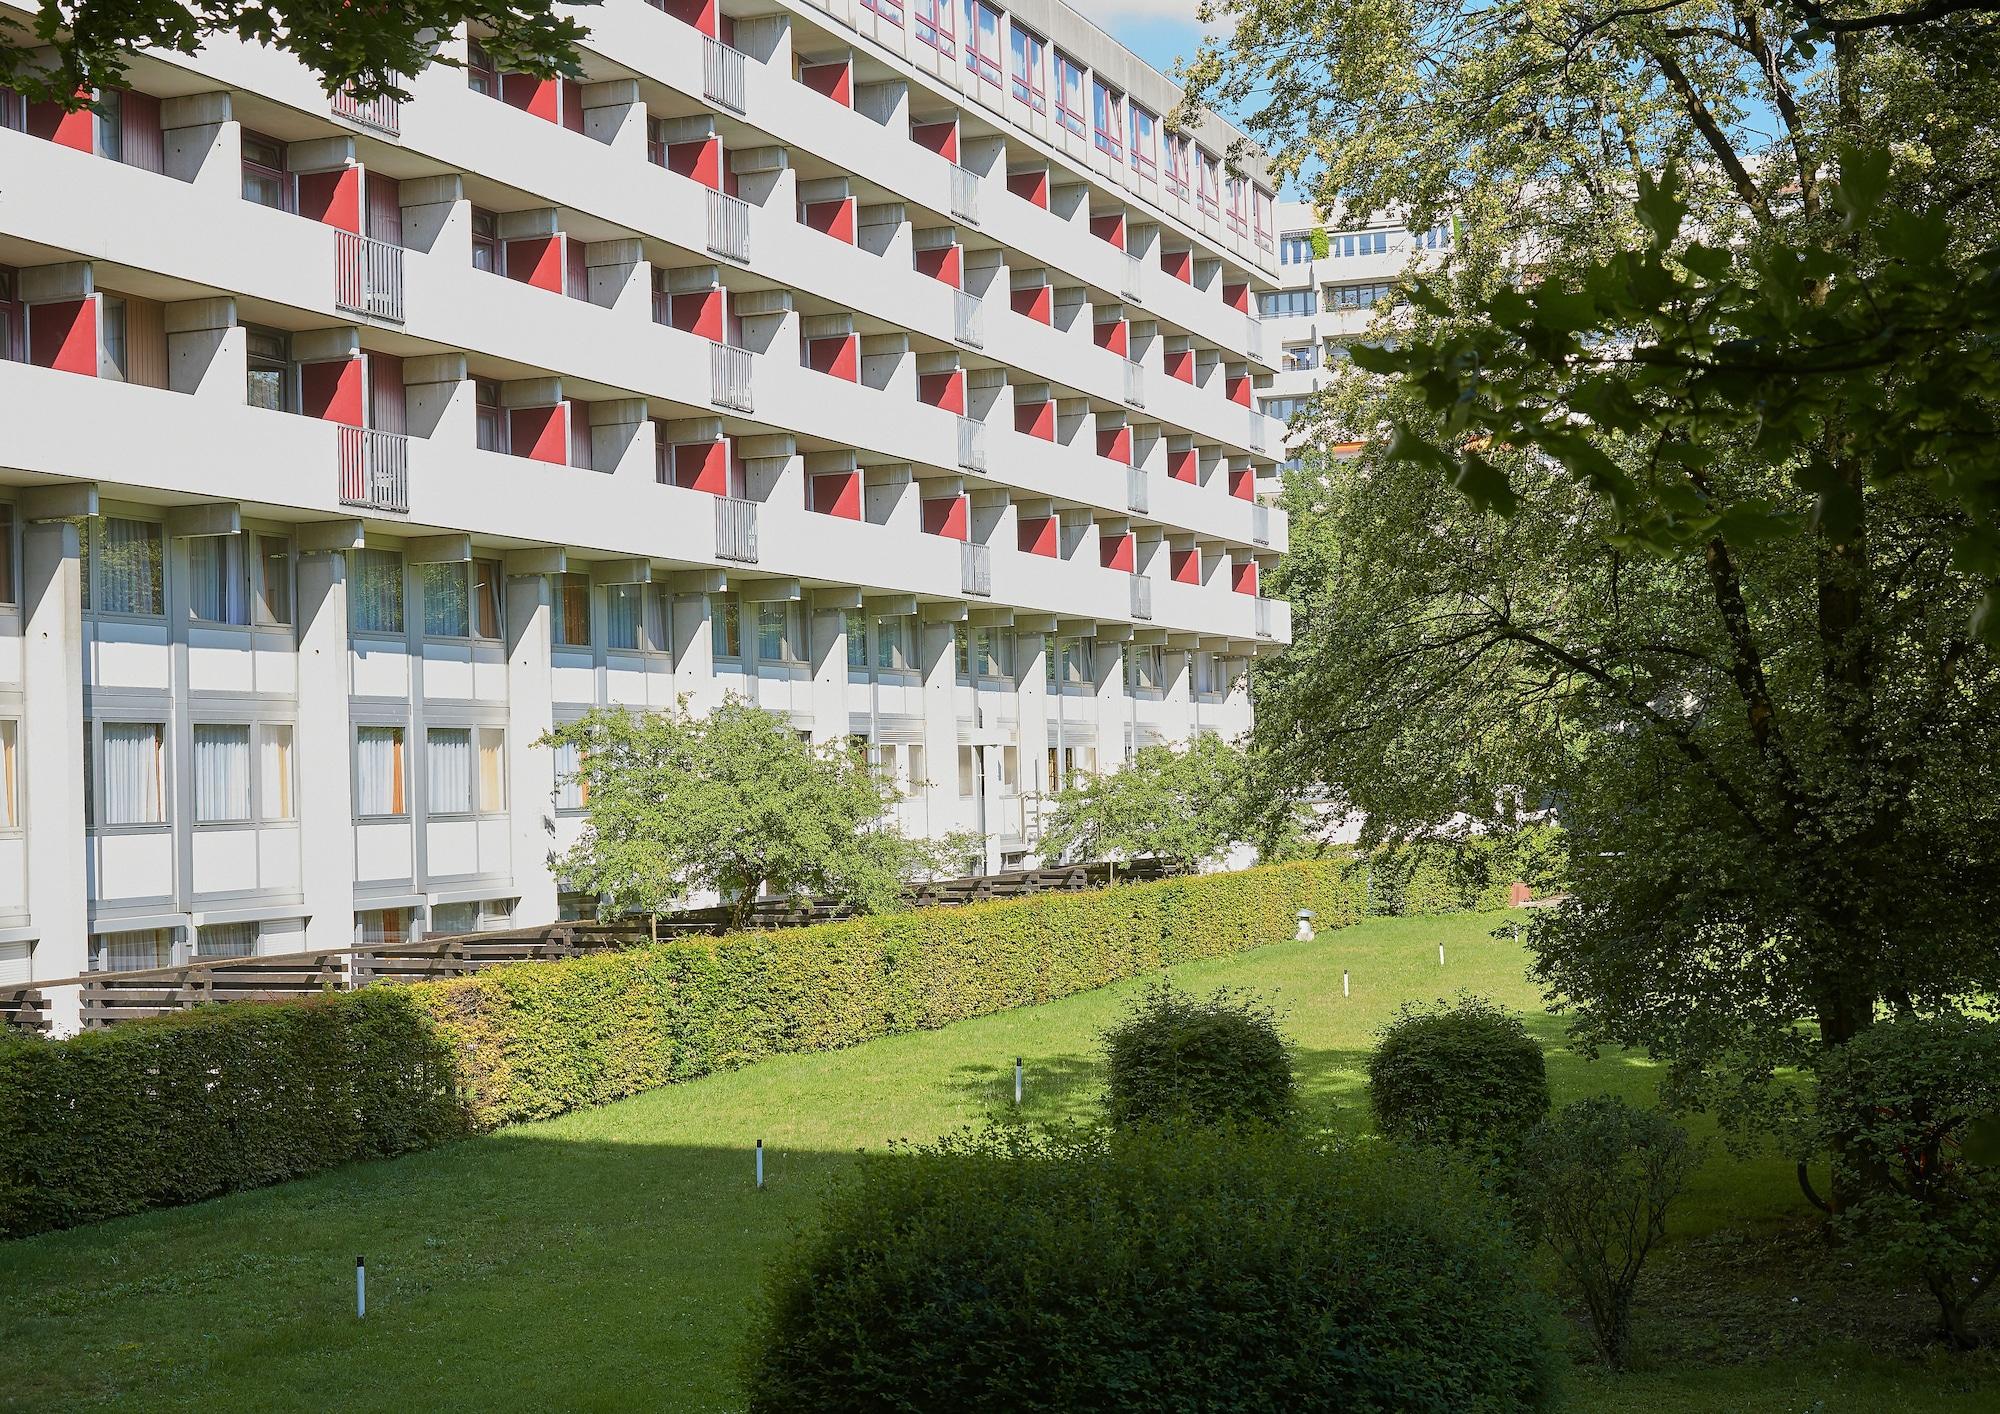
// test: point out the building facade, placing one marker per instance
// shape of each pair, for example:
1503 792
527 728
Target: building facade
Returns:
888 365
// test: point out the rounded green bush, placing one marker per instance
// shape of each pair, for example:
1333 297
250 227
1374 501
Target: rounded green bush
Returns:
1163 1267
1461 1074
1210 1059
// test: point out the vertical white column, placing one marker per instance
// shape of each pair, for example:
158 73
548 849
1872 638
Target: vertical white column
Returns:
1176 714
53 738
1114 709
937 656
325 744
531 769
828 628
1031 690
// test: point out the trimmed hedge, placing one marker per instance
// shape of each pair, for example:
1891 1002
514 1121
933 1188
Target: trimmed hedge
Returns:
1462 1074
1217 1060
175 1110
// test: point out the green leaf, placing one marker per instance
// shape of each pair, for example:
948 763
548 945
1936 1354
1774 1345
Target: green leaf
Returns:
1864 176
1982 1141
1660 206
1484 484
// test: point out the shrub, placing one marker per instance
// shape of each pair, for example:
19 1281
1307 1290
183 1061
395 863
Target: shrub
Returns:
187 1107
1449 875
1214 1059
1907 1107
1460 1074
1601 1175
1163 1267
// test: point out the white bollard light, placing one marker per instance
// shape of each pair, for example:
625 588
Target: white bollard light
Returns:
1343 982
1305 932
1017 1082
360 1289
1440 954
760 1163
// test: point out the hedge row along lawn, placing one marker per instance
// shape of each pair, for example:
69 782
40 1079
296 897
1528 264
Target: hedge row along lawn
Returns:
606 1259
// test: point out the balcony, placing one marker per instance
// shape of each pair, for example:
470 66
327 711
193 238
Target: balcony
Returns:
967 325
1260 524
971 444
374 469
1135 384
1142 597
1130 285
729 380
368 276
975 569
384 115
722 75
964 195
728 226
1136 496
736 530
1262 608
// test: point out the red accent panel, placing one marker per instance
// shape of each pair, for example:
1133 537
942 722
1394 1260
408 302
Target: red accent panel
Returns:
1237 297
1185 566
537 261
1109 228
388 401
1037 302
332 198
1243 484
949 517
833 218
76 129
144 143
836 81
1031 187
839 357
572 105
1036 420
1038 536
541 434
1116 444
702 466
701 160
941 138
385 208
838 494
332 391
541 97
1119 552
1238 389
945 262
1181 365
63 335
942 390
699 13
698 312
1184 466
1179 264
1112 335
1244 580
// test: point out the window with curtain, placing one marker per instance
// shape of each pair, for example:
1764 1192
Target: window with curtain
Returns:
217 590
221 772
624 616
383 926
492 744
132 774
961 645
778 633
226 940
451 918
130 572
571 791
378 771
273 590
486 611
892 643
10 775
990 656
375 591
857 639
448 760
660 619
447 608
572 611
725 625
132 952
275 767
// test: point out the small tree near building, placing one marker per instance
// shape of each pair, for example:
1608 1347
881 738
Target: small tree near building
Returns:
1186 804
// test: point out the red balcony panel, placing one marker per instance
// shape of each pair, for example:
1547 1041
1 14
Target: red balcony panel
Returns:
1038 536
1243 483
1179 264
833 218
1185 566
1036 302
699 160
1237 389
698 312
836 81
837 494
1115 444
332 198
942 390
1036 420
540 97
945 262
948 516
1184 466
699 13
62 334
540 434
941 138
702 466
1237 296
76 129
1114 335
537 261
838 357
1119 552
332 391
1244 578
572 105
1109 228
1181 365
1032 187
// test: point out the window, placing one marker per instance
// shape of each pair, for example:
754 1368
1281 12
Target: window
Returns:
982 40
1069 93
492 418
1076 661
265 180
125 561
1285 303
1107 119
1029 86
572 611
132 774
892 643
1284 409
225 940
6 553
450 918
1260 205
491 743
1295 248
1238 215
13 111
271 588
625 616
1177 166
1145 669
890 10
1365 295
1145 142
218 587
572 791
13 336
375 592
132 952
480 75
448 770
778 633
378 772
111 337
1211 181
381 927
1299 358
267 378
487 619
1436 238
990 655
961 645
275 772
856 626
1010 770
221 773
1349 244
10 775
485 241
933 25
725 625
462 600
109 110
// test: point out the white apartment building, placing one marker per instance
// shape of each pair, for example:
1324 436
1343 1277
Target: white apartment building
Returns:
886 364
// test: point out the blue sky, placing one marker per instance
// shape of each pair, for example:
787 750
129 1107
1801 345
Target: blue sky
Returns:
1159 31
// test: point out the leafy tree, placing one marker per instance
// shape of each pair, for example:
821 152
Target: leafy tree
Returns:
735 802
70 49
1676 512
1187 804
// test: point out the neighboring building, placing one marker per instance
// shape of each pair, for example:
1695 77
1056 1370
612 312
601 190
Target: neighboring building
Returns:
889 366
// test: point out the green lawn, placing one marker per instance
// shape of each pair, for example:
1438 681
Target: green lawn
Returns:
606 1260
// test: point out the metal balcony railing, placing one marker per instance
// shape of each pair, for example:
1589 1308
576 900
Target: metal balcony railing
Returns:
1263 617
374 469
975 568
368 276
385 115
722 74
1135 383
1142 597
728 226
967 325
1136 497
971 444
1130 286
736 530
729 378
1260 524
964 195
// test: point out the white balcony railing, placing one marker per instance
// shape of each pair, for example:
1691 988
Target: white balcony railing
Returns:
374 469
736 530
722 74
1136 496
729 378
1253 335
964 195
1263 617
971 444
975 568
1135 383
1130 285
728 226
1142 597
368 276
1260 524
967 325
385 115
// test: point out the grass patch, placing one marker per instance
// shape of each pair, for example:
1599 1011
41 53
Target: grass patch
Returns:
606 1259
